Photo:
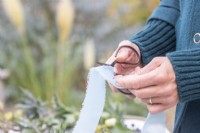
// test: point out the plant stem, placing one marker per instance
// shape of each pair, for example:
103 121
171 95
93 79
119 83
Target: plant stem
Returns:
31 68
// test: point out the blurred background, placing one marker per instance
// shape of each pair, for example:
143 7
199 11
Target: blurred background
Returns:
46 50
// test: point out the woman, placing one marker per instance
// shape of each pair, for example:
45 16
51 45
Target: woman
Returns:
169 70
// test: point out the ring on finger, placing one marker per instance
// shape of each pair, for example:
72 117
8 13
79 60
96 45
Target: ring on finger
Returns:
150 101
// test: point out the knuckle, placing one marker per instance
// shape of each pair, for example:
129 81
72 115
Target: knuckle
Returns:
161 77
160 92
170 89
156 60
171 76
167 90
154 76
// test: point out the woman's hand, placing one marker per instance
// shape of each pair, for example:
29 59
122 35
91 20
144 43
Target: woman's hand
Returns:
155 85
125 54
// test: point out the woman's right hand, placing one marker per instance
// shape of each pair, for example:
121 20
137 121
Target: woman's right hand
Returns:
125 54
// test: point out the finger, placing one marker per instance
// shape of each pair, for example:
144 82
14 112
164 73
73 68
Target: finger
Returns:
113 88
135 71
155 63
157 108
138 81
154 100
131 96
123 54
167 100
128 43
145 93
119 69
126 55
152 91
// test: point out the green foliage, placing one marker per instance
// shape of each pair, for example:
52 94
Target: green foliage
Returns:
37 117
45 69
36 58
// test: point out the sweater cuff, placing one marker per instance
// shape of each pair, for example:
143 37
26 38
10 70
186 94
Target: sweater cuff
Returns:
156 39
186 65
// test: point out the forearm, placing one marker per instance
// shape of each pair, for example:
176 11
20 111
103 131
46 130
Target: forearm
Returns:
156 39
159 36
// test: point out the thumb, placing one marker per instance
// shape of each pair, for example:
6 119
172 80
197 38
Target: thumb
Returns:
122 56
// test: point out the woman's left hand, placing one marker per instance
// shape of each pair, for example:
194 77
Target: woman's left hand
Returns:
155 84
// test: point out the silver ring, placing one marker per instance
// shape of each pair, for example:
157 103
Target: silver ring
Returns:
150 101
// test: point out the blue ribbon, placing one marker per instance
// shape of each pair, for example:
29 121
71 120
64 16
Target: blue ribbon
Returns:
95 99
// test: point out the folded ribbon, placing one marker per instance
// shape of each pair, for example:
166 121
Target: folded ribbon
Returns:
95 99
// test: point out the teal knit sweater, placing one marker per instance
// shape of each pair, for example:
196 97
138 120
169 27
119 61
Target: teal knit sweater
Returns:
172 31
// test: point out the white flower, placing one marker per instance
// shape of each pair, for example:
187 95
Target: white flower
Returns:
4 73
110 122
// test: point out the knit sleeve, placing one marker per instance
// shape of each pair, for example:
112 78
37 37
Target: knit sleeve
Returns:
186 65
156 39
159 36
